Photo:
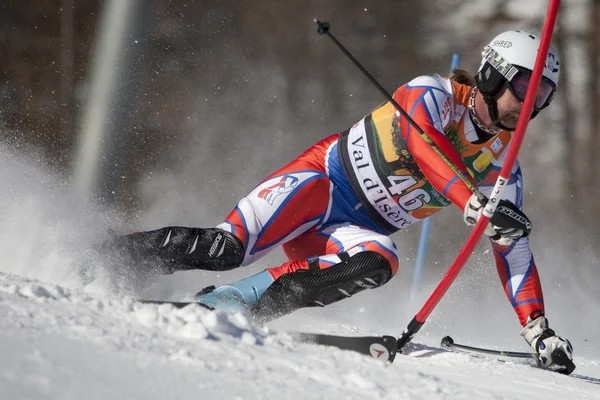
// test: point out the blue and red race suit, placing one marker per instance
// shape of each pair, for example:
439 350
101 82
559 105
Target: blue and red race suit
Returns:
351 191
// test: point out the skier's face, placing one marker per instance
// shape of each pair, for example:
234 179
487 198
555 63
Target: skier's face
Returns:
509 109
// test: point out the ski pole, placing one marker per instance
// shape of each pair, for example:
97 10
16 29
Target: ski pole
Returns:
426 227
568 366
534 83
323 28
448 343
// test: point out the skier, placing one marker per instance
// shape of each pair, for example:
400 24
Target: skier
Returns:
334 207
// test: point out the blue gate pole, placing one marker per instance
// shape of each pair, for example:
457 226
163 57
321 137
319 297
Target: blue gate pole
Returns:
422 249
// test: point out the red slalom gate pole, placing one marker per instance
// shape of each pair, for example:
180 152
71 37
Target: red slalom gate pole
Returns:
439 292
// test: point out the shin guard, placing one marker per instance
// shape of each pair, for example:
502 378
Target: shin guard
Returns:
319 287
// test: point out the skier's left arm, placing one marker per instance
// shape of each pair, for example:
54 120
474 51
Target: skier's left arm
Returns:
519 276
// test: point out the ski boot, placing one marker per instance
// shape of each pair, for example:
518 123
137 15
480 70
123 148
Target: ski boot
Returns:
238 296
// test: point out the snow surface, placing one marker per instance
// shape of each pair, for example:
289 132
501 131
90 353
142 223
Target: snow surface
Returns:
60 343
60 340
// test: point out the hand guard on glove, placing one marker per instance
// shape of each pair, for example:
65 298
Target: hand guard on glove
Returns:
506 225
552 350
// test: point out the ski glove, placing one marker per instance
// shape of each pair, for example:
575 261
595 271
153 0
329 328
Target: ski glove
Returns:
552 350
506 225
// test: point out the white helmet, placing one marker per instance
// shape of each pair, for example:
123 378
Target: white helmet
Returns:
508 60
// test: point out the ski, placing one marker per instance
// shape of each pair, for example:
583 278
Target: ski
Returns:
380 347
176 304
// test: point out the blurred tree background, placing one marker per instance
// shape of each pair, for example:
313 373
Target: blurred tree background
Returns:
227 91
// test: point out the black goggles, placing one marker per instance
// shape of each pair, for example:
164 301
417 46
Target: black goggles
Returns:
520 82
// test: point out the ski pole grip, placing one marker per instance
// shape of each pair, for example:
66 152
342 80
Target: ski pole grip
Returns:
560 358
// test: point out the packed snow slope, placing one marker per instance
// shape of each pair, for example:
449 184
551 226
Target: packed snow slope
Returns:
62 343
60 339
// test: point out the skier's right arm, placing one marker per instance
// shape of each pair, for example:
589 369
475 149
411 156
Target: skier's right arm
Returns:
429 102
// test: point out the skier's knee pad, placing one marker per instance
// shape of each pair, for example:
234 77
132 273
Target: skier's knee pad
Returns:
178 248
319 287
